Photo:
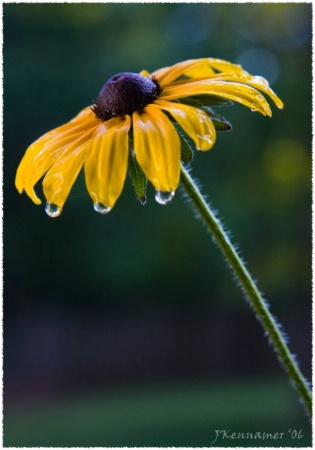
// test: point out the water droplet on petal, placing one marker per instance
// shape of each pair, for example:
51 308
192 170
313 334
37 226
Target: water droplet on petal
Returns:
53 210
260 80
164 197
101 209
205 141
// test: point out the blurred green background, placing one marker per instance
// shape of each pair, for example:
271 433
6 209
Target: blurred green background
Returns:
127 329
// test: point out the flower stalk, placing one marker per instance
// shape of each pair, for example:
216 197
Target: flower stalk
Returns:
249 288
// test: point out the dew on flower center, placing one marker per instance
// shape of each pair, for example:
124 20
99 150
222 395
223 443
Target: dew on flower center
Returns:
53 210
164 197
101 209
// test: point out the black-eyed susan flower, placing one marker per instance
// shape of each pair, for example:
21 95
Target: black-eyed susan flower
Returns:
138 121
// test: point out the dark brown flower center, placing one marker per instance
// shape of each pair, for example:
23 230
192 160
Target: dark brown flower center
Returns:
125 93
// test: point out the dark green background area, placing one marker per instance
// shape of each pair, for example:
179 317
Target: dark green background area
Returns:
127 329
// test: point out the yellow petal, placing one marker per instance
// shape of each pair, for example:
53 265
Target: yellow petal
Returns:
256 82
193 121
107 161
41 155
262 84
237 92
169 74
226 67
157 148
196 68
206 68
60 177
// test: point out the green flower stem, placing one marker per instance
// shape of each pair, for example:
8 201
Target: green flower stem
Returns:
250 289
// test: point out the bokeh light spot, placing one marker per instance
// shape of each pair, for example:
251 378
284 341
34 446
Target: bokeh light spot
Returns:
287 161
260 61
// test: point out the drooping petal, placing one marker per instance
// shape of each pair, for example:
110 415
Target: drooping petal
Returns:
237 92
60 177
107 161
262 84
168 74
157 148
256 82
196 68
41 155
201 70
193 121
226 67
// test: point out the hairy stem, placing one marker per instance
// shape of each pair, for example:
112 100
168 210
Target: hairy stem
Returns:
249 288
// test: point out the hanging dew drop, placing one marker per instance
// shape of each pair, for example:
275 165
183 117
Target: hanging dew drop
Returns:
101 209
53 210
164 197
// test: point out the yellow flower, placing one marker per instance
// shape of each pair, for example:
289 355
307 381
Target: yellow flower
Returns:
134 118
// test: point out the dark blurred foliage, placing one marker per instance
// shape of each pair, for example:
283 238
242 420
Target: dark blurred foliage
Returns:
142 295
